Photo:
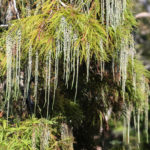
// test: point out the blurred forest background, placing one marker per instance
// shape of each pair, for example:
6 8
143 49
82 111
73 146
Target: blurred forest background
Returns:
142 35
141 11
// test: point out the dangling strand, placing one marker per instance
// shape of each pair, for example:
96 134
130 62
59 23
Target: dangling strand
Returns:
36 80
74 59
56 68
134 81
123 65
111 12
68 55
77 73
103 97
134 119
123 7
87 6
46 80
88 60
49 81
63 25
107 14
113 67
146 119
132 50
25 89
9 70
28 10
38 5
132 54
124 129
138 126
102 63
68 40
146 105
18 47
128 124
29 69
71 53
146 116
102 11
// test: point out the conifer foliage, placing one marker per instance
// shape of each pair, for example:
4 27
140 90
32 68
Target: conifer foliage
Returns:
45 45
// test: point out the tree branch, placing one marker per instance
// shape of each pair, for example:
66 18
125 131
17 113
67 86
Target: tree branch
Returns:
15 7
142 15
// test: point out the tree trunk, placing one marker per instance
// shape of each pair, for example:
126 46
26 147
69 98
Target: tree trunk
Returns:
67 135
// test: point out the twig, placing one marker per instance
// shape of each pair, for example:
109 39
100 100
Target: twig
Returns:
62 3
4 25
142 15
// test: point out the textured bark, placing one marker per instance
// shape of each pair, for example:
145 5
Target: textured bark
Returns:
66 133
11 12
8 11
45 137
2 12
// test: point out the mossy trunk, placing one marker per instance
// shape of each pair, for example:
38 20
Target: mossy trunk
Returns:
67 135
